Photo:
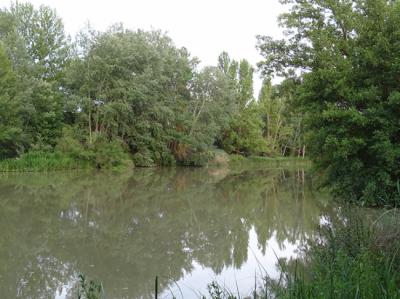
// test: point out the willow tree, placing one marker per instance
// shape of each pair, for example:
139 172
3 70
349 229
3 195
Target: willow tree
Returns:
135 86
346 54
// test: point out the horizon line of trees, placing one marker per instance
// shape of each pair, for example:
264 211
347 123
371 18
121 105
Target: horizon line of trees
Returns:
118 95
124 94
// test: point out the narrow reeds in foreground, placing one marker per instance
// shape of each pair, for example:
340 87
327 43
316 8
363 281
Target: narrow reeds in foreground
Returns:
350 259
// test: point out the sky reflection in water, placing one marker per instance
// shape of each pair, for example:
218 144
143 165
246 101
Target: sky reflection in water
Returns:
188 226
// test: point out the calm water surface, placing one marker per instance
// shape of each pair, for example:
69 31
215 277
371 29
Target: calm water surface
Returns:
186 226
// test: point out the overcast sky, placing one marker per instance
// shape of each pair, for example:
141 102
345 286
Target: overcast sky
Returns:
205 27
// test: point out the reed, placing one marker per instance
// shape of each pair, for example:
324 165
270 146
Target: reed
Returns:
42 161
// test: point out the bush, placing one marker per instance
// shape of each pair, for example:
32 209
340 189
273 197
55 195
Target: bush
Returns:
101 153
143 159
71 153
106 154
70 144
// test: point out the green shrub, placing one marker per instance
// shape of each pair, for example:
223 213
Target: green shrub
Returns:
101 153
106 154
71 153
143 159
70 144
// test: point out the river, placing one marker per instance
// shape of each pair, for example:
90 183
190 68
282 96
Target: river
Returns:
187 226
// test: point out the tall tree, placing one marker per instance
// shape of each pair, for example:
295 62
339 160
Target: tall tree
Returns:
42 31
244 133
133 85
35 42
245 83
346 54
11 137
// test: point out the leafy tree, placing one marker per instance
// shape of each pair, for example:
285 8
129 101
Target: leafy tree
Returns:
283 122
36 45
346 56
42 32
244 133
245 136
245 83
121 91
211 107
272 110
10 124
133 85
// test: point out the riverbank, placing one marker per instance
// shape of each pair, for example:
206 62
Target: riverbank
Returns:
39 161
257 161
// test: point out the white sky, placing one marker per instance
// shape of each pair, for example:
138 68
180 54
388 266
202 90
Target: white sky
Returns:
205 27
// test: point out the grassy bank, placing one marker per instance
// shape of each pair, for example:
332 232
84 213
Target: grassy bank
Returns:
37 161
42 161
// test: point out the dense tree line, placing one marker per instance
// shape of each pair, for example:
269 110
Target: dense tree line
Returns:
109 97
345 56
119 95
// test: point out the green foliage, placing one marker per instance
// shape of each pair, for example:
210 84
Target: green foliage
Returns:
100 154
89 289
348 261
42 33
69 143
245 136
134 86
283 122
41 161
34 41
42 114
123 92
10 124
108 154
143 159
346 54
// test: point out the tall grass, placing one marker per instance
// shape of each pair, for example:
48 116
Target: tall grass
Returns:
42 161
350 259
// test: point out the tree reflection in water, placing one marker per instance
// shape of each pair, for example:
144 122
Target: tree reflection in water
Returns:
124 229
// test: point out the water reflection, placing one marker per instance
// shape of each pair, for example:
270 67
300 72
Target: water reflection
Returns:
125 229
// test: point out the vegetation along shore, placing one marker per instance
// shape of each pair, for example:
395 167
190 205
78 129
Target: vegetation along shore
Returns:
122 98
